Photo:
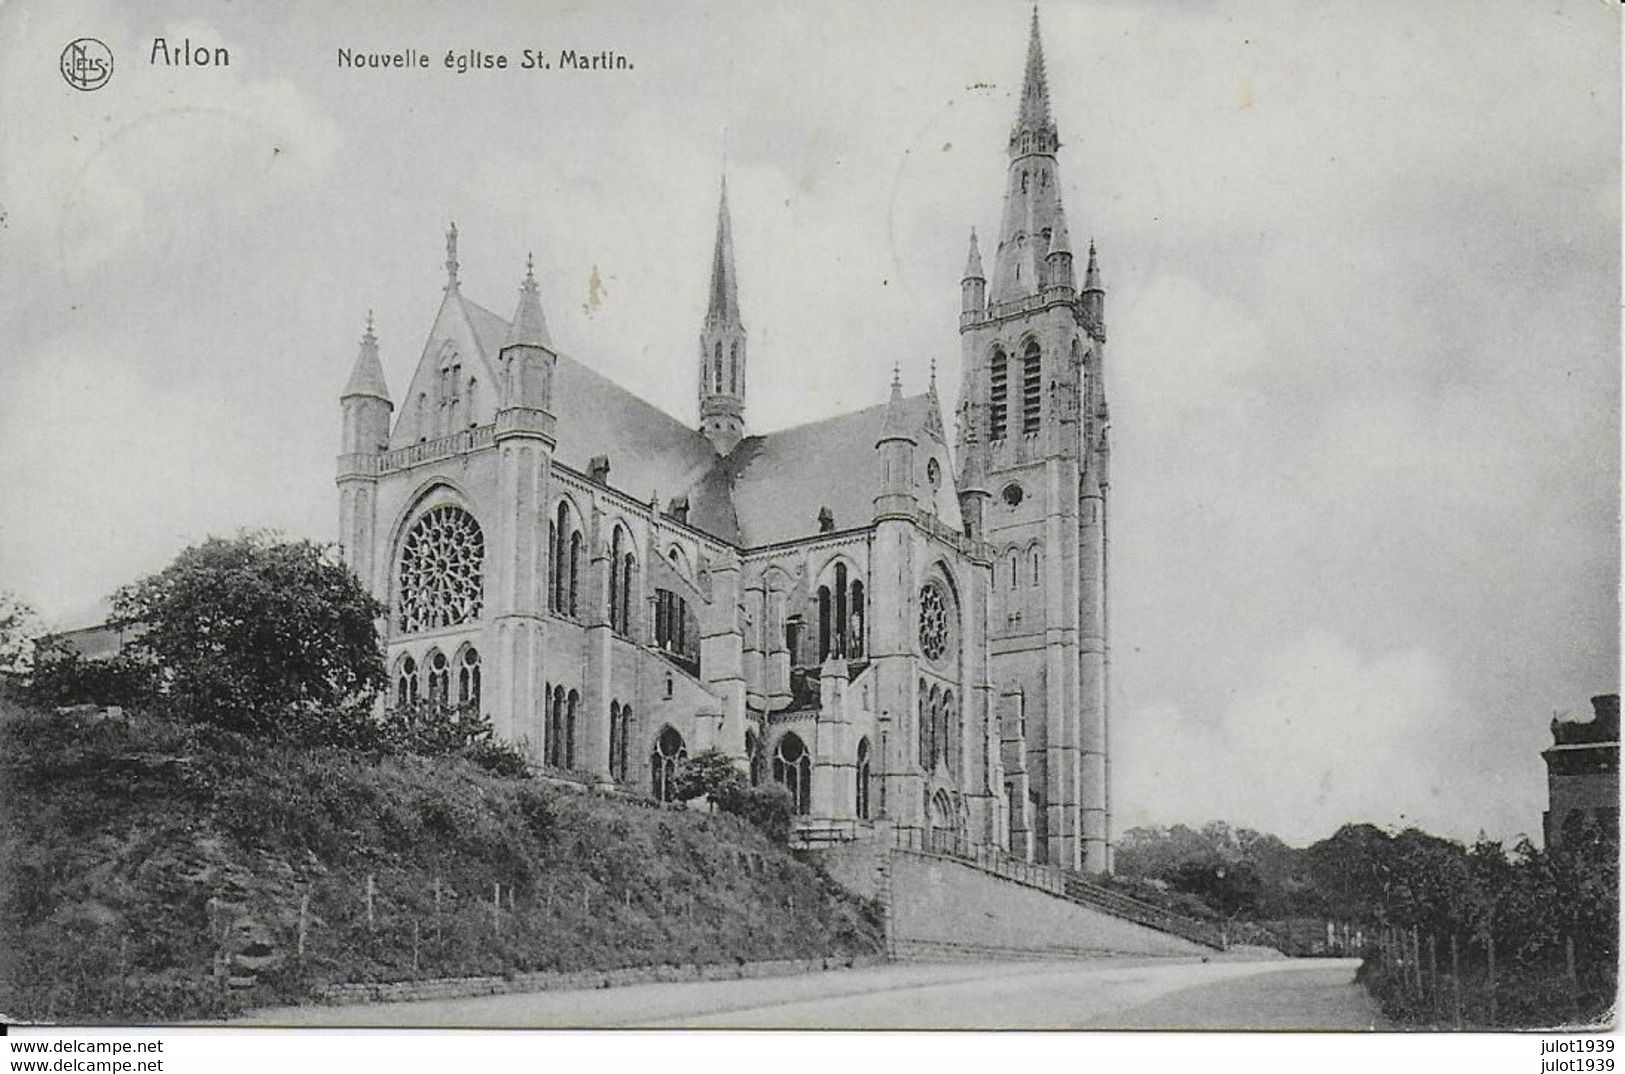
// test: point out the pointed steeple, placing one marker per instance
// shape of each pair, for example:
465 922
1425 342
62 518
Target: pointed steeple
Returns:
973 261
367 375
1091 275
451 257
724 305
1032 200
529 326
896 426
722 344
1034 129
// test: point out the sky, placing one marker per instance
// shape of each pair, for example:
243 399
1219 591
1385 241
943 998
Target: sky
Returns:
1363 273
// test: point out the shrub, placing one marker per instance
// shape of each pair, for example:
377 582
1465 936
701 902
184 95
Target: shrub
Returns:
769 807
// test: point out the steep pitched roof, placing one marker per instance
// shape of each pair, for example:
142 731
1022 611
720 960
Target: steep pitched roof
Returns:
778 482
769 489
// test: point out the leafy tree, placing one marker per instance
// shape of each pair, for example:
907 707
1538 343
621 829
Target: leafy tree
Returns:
258 634
712 775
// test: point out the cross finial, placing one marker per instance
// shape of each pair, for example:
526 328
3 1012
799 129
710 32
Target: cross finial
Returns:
369 324
451 257
933 373
530 268
896 377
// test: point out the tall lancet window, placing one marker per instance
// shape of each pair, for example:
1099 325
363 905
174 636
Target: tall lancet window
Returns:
1032 389
733 369
998 394
717 362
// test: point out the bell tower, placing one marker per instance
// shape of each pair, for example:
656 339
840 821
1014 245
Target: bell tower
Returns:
722 345
1032 439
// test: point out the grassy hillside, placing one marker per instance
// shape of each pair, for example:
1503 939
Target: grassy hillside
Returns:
151 871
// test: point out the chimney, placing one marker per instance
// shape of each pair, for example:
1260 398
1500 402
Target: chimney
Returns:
598 469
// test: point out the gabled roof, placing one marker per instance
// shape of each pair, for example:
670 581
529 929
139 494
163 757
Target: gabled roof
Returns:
769 489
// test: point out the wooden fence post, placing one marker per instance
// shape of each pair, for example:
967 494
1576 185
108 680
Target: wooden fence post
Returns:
304 921
1574 978
496 906
370 889
1433 972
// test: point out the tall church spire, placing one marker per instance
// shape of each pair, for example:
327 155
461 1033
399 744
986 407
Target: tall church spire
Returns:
722 344
724 307
1032 198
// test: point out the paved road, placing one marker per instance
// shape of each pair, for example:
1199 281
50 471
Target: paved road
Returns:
1103 994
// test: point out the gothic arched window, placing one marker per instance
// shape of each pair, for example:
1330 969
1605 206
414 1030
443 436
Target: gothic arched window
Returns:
441 571
622 741
575 574
717 364
792 766
439 679
669 752
824 625
862 791
1032 389
570 704
928 728
948 731
406 682
733 369
998 394
627 566
468 679
616 757
615 623
854 642
1037 558
753 759
555 727
840 609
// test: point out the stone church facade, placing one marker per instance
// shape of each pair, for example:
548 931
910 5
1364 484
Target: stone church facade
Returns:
897 626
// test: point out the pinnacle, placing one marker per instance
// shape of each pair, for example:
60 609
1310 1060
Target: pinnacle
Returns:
529 328
973 261
367 375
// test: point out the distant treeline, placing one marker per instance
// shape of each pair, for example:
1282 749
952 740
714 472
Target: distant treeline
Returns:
1534 932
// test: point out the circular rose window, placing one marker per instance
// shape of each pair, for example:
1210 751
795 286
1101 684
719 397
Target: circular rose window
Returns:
933 622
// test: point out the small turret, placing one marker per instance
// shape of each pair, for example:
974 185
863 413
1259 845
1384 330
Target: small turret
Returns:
525 366
896 446
1094 297
973 286
366 401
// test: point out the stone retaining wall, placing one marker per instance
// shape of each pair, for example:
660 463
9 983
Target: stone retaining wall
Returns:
457 987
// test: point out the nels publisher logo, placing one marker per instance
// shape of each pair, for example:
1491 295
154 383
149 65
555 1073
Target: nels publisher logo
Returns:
87 64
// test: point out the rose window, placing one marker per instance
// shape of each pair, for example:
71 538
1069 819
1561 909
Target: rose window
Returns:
441 583
933 622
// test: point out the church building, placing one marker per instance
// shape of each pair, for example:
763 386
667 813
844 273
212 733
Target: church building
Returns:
904 630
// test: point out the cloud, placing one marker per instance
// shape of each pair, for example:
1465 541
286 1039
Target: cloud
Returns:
1323 734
